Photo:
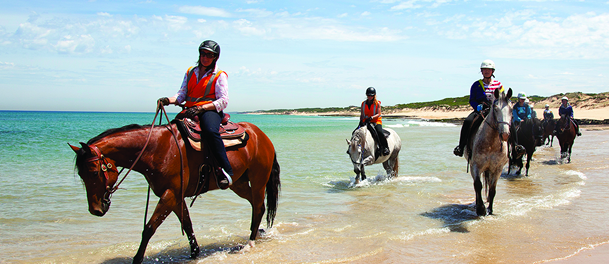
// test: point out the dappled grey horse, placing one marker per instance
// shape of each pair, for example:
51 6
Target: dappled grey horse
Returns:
490 150
362 152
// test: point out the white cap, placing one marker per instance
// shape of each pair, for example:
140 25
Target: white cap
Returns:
522 95
547 105
487 64
565 98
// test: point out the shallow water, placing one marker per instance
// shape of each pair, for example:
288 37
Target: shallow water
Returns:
423 215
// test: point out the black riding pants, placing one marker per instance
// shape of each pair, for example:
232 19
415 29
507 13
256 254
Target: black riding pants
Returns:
470 125
210 125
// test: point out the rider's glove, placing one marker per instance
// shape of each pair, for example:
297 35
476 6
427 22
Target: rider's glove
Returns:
479 107
163 100
193 111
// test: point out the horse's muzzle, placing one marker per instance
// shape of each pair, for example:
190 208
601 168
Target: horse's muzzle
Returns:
97 211
504 136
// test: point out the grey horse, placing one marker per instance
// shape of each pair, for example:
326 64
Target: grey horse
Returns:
362 152
490 150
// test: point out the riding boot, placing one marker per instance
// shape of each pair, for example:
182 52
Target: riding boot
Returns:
465 134
577 128
210 122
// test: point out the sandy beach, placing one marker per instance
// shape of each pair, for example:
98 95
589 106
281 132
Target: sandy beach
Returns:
580 113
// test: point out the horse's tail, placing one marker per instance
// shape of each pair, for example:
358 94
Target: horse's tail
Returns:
273 186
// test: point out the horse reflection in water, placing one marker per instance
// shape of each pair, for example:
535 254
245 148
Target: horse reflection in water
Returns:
490 150
362 152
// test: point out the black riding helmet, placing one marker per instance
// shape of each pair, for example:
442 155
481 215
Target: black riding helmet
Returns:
210 45
370 91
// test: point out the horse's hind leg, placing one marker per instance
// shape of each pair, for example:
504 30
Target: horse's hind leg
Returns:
391 167
163 208
255 195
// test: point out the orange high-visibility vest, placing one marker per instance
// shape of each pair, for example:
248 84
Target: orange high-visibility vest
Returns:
203 91
371 111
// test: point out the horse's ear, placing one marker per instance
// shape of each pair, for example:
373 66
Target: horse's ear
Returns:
74 148
85 147
509 94
348 142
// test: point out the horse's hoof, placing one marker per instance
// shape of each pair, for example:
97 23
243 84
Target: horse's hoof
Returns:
194 253
481 211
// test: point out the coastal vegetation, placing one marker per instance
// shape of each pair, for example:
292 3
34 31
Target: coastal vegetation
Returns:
576 99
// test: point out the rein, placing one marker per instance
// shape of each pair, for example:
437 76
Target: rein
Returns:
104 165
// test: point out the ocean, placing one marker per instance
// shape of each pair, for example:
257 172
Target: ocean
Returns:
425 215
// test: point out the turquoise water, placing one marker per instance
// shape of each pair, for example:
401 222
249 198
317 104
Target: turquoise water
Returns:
423 215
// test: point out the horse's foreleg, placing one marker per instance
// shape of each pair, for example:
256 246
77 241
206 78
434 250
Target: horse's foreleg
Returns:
480 210
362 172
357 173
162 210
187 227
491 197
529 157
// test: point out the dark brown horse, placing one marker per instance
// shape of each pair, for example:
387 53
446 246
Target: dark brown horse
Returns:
548 131
528 135
566 136
171 168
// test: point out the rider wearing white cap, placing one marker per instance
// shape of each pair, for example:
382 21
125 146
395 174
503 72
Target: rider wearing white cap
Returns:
547 113
521 111
481 96
566 109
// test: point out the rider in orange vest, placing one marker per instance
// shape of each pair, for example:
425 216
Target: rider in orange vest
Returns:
371 114
205 93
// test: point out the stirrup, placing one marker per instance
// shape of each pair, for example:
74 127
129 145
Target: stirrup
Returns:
226 182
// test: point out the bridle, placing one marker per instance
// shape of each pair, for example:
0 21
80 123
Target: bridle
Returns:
497 123
102 168
360 145
104 165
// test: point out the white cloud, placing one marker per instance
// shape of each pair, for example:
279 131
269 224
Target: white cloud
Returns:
75 44
204 11
6 65
342 15
256 12
406 5
247 28
104 14
524 35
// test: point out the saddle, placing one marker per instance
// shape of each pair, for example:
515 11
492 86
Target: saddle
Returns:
232 134
375 136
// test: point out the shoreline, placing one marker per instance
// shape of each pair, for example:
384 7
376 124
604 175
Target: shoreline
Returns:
588 118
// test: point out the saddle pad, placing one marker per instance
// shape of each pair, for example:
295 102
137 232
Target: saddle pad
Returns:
227 131
228 142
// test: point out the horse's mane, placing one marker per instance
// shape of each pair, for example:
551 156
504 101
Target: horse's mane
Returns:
115 130
82 154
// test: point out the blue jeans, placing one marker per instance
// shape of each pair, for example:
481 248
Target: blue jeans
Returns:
210 124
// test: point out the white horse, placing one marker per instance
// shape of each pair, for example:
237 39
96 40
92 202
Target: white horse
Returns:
362 152
490 150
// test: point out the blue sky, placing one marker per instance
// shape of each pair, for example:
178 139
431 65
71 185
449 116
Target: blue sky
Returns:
123 55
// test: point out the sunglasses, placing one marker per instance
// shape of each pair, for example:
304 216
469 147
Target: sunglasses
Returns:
208 55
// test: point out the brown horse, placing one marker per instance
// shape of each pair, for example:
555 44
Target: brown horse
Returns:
528 136
171 168
566 136
548 131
